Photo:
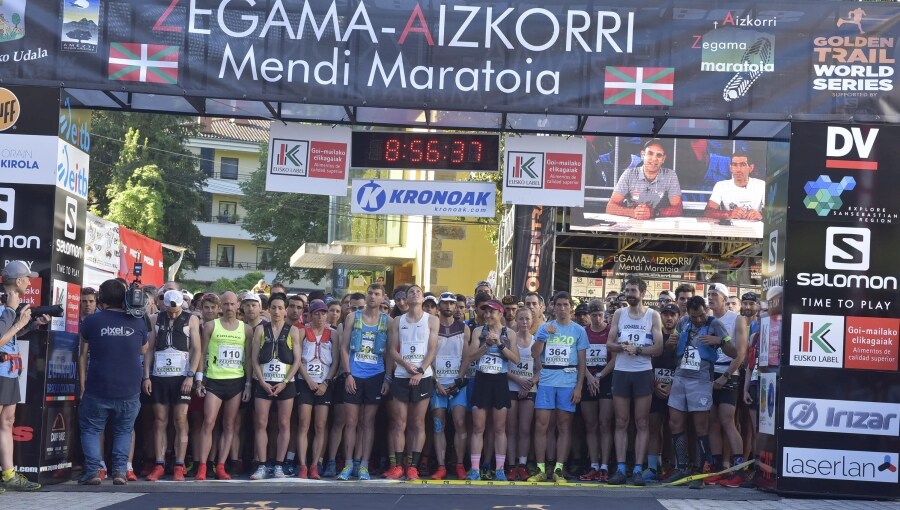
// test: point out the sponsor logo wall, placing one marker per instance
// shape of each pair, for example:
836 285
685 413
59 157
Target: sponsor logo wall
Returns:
544 170
848 465
842 416
768 400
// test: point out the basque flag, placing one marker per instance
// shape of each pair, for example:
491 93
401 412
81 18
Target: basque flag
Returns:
639 86
147 63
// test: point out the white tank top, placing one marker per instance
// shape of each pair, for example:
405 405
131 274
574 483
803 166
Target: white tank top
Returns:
722 361
413 345
525 368
635 332
449 352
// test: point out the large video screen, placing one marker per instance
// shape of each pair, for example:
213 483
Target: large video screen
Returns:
685 186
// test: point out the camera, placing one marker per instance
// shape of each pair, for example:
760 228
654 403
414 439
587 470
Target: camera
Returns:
37 311
134 294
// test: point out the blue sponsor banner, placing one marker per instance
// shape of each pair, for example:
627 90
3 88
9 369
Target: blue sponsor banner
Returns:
428 198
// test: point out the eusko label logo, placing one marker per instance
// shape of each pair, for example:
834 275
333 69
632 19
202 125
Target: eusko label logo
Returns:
817 340
851 465
525 169
371 197
290 157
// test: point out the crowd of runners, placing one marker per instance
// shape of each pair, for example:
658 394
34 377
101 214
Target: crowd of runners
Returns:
406 384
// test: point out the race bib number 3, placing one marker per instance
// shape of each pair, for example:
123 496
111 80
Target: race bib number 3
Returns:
691 359
169 363
230 357
274 371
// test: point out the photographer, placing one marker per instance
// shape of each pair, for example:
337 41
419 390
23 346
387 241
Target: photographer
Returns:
16 280
117 339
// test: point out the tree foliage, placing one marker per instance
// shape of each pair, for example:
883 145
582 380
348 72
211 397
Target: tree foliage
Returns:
285 221
162 138
139 204
236 285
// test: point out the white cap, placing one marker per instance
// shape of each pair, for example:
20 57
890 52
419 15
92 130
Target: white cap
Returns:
173 298
718 288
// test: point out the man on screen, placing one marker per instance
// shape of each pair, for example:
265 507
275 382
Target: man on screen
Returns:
740 197
647 191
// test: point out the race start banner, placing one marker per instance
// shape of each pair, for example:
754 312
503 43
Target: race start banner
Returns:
682 59
308 159
544 170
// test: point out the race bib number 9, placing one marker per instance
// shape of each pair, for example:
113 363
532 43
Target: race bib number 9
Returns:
412 354
274 371
230 357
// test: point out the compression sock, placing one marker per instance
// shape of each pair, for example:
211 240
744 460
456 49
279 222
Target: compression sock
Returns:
415 458
680 445
653 462
704 453
392 459
621 467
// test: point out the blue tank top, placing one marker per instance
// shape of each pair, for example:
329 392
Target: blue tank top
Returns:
364 363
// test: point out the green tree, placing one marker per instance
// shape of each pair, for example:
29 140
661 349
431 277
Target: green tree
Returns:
139 203
16 19
285 221
245 282
163 138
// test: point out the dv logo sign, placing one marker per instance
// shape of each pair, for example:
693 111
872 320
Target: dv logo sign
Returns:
847 248
842 141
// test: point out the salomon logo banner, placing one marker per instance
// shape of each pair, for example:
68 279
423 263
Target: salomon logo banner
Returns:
429 198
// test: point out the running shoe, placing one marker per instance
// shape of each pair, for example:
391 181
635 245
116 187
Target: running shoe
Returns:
345 473
474 475
734 479
261 473
696 484
512 474
675 476
364 474
500 476
330 469
487 473
119 479
522 473
559 476
394 473
460 472
221 474
637 478
649 475
539 477
201 473
714 479
302 472
749 480
158 471
603 475
177 473
314 473
130 475
290 469
412 474
440 473
278 472
618 478
21 484
590 476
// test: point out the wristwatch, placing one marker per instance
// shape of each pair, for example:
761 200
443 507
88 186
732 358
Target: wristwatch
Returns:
189 373
420 370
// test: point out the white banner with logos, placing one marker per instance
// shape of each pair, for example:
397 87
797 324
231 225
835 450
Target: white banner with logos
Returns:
428 198
544 170
843 416
101 245
768 399
852 465
308 159
72 169
28 159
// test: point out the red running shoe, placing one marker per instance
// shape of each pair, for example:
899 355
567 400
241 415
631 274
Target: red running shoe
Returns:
603 475
314 473
130 476
221 474
461 472
394 473
158 471
512 474
178 473
590 476
440 473
522 473
412 474
303 472
734 479
201 473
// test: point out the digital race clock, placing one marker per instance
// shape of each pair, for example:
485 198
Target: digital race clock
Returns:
425 151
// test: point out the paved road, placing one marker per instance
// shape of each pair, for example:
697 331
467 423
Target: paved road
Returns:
377 495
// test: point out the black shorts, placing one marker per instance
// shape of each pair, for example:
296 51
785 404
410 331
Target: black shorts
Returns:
9 391
514 396
368 391
604 393
289 392
753 388
403 392
306 397
632 384
225 389
339 386
167 391
491 391
727 394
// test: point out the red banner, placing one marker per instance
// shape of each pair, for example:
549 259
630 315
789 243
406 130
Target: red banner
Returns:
150 251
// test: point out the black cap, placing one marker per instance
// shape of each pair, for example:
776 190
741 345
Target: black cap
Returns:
670 308
581 309
750 296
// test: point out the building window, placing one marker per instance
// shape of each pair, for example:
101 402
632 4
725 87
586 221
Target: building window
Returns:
227 212
225 255
264 259
229 168
207 160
